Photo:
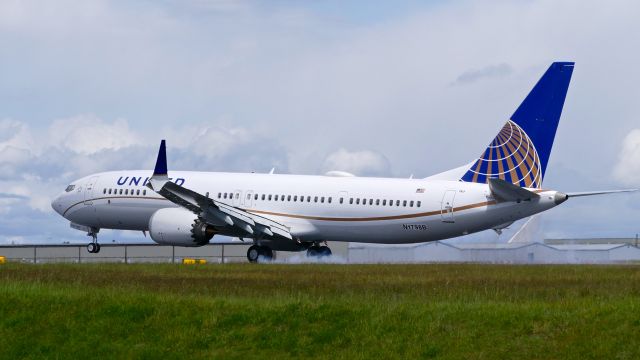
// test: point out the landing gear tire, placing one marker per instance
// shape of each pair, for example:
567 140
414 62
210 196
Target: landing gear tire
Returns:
253 253
93 248
267 253
325 251
318 252
257 253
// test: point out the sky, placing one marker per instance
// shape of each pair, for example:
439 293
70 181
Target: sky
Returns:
374 88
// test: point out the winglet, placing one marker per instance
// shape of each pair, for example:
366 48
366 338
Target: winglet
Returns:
159 177
161 162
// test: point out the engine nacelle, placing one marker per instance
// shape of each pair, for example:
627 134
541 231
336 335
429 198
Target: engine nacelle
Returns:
180 227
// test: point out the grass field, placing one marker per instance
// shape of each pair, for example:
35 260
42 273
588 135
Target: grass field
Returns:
319 311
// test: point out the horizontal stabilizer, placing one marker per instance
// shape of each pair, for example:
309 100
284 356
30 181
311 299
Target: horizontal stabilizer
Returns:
601 192
506 191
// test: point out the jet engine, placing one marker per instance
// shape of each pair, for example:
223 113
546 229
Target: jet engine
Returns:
179 227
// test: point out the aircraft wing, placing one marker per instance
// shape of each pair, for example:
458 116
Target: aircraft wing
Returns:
235 221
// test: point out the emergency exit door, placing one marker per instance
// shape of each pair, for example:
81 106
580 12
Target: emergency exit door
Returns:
447 206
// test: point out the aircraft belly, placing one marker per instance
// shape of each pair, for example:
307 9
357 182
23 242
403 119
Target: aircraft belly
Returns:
124 216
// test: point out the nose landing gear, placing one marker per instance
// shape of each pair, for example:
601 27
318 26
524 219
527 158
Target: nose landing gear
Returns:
93 247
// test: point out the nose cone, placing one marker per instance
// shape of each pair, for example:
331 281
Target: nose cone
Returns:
559 198
56 204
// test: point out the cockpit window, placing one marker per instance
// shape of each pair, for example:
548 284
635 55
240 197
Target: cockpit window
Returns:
69 188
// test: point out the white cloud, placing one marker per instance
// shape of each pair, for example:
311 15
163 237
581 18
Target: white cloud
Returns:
87 134
363 163
491 71
627 170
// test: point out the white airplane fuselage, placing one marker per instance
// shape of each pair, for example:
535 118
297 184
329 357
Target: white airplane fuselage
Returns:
314 208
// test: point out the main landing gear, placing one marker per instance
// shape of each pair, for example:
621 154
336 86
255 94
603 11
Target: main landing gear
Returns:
93 247
318 252
257 253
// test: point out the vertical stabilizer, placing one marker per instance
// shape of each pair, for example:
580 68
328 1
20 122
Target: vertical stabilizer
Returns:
520 152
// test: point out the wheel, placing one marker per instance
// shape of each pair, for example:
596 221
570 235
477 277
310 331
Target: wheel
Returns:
318 251
324 251
266 253
253 253
98 247
91 248
313 252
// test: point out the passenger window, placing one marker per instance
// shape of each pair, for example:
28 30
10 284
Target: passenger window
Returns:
295 198
370 201
411 203
308 198
275 198
322 199
138 192
282 198
104 191
219 195
350 201
404 203
329 199
255 197
341 199
377 202
397 202
364 201
263 196
126 191
270 197
390 202
288 197
384 202
358 201
144 192
419 204
315 199
224 196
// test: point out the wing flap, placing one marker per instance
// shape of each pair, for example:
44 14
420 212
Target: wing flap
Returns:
220 214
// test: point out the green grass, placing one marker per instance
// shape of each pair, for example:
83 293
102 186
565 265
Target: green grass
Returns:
319 311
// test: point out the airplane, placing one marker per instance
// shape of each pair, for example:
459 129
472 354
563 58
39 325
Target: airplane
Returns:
282 212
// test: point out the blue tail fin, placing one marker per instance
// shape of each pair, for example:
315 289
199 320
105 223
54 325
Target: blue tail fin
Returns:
161 161
520 152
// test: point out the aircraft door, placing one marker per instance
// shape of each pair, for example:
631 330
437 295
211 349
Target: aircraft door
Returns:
88 190
447 206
